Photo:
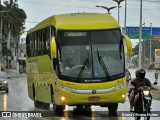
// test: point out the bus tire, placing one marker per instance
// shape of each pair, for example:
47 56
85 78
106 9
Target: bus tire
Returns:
79 107
36 103
87 107
112 108
58 109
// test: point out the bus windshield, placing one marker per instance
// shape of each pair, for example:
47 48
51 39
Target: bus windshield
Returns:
90 54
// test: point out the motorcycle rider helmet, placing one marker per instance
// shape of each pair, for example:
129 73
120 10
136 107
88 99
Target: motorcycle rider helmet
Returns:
141 73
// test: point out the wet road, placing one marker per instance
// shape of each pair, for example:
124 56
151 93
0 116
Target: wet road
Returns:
17 100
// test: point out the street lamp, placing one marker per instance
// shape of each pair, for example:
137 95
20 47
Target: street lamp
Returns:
143 48
125 17
1 27
150 42
140 36
107 8
118 2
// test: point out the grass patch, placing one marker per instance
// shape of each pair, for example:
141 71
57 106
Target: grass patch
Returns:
156 93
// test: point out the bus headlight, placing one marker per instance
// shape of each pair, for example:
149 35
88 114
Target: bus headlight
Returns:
123 95
63 98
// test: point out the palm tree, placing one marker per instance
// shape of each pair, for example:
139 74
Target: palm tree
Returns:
14 21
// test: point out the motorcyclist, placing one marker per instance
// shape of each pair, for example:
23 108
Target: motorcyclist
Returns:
136 83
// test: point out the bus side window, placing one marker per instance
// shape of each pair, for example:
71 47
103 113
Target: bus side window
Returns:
28 45
48 42
41 43
35 45
31 45
38 43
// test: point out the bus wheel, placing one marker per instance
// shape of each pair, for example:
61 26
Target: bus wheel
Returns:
52 94
112 107
36 103
87 107
79 107
42 105
58 109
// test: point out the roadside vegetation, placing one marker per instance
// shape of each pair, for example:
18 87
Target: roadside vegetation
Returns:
156 93
13 20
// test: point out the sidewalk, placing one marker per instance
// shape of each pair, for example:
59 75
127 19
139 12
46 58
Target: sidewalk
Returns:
11 73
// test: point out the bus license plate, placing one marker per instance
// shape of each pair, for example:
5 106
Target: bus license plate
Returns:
94 98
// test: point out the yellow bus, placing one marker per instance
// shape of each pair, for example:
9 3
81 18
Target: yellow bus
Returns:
77 60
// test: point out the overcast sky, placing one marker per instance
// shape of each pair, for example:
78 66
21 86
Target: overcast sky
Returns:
37 10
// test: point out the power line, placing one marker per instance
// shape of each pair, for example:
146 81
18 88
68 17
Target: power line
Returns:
16 17
12 18
32 22
6 18
9 17
51 4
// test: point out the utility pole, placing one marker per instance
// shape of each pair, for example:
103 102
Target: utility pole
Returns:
143 48
17 56
150 61
140 36
125 17
1 23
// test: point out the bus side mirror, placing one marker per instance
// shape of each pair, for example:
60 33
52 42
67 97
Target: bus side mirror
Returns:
53 48
128 44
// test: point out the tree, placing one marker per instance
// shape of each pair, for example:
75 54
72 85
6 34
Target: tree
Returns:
14 21
146 48
135 60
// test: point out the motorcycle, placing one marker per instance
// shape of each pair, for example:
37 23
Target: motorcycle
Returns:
142 107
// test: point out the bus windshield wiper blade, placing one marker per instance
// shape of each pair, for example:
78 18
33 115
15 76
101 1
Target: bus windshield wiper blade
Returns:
102 64
82 68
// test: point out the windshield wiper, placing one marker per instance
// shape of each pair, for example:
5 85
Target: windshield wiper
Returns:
102 64
82 68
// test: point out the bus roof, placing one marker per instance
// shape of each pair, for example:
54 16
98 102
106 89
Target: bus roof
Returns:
78 21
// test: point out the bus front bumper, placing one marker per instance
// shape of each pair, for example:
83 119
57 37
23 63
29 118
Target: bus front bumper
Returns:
116 94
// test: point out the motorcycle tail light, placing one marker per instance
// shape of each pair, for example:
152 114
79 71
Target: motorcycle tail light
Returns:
146 92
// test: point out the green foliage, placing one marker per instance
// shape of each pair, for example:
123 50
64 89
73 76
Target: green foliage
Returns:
146 47
135 61
13 20
6 51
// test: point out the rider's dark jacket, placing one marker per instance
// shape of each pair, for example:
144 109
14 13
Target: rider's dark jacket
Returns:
136 82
